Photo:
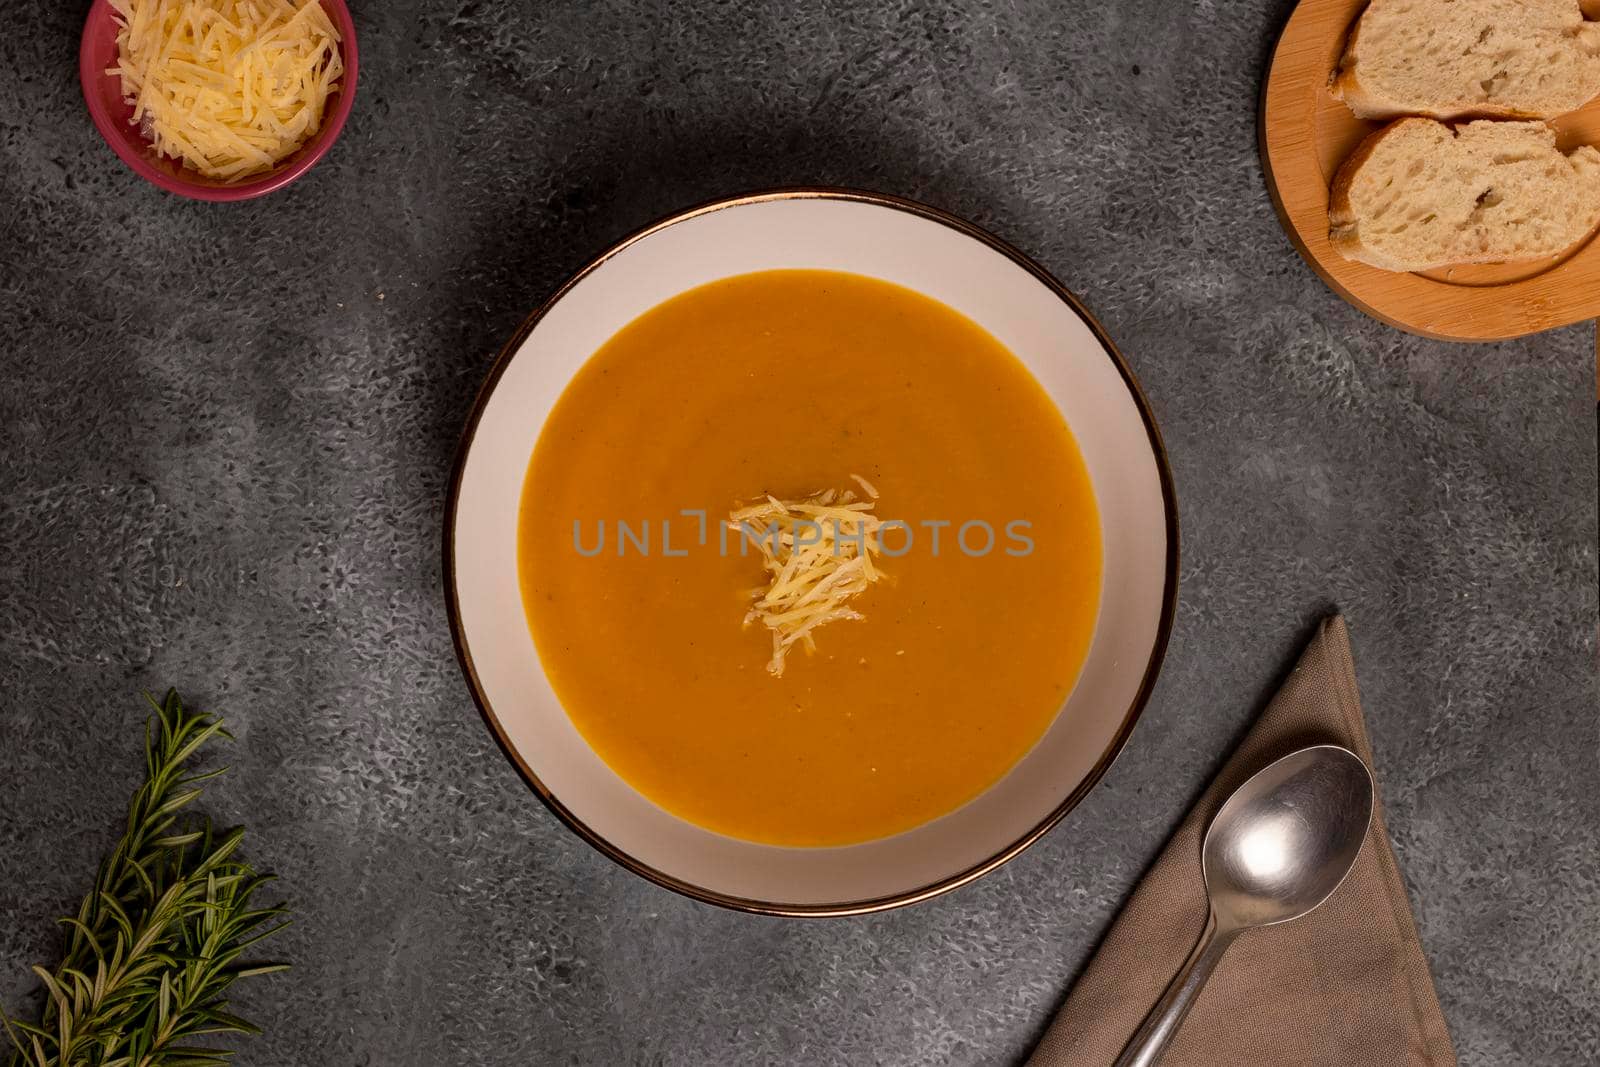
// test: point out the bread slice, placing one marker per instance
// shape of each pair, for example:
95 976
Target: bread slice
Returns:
1419 194
1483 58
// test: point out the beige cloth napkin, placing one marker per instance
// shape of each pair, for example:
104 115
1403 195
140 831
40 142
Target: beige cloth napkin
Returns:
1345 986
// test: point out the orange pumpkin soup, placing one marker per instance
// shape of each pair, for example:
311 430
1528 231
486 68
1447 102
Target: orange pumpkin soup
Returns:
789 383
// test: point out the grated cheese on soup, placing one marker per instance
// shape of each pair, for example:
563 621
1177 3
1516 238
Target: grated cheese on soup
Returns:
818 556
230 88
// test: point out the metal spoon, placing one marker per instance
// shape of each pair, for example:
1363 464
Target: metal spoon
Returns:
1278 848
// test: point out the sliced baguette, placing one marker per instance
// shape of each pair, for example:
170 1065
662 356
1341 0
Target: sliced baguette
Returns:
1451 59
1418 194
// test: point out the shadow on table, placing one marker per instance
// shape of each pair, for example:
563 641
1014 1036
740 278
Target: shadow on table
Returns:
608 186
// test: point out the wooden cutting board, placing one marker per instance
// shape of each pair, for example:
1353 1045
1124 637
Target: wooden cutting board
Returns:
1305 134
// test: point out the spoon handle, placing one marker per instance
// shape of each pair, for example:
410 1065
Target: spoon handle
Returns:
1159 1027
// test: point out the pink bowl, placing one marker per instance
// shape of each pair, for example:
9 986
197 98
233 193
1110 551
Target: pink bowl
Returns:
103 93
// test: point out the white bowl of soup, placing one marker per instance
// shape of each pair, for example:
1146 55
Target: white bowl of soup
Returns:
711 686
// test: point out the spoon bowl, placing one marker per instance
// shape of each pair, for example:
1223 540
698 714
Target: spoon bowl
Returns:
1285 840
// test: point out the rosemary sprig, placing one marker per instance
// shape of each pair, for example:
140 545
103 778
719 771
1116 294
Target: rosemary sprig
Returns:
158 941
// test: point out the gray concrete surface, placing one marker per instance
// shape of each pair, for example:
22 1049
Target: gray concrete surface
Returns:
226 433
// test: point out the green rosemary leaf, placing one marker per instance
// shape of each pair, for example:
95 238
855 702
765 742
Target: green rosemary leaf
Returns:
77 926
14 1033
52 988
246 942
217 1021
157 943
175 840
263 968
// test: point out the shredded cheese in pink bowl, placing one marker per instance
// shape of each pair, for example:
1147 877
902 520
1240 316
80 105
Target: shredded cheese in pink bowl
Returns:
217 99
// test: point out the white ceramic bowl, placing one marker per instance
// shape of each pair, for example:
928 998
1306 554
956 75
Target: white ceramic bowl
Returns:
939 256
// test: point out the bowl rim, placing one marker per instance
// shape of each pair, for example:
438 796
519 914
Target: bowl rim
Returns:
1152 669
90 75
